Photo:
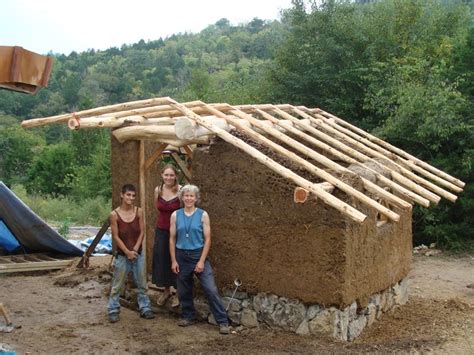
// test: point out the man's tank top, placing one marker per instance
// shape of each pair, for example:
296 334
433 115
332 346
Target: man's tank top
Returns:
129 232
165 209
189 230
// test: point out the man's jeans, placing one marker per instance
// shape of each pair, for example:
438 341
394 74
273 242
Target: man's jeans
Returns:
122 266
187 260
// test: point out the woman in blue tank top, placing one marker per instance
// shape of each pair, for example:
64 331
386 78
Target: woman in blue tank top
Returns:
190 241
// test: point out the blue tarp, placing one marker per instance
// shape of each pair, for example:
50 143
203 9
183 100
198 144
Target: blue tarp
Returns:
103 247
8 241
29 229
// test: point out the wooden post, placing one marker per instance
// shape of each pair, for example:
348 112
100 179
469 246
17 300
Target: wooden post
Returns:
155 155
142 187
182 166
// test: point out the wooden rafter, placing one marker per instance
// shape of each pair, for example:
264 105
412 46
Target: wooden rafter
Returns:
307 131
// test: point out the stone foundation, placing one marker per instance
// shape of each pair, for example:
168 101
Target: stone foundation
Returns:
294 316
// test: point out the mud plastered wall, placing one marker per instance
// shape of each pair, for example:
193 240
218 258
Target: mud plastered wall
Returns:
125 169
306 251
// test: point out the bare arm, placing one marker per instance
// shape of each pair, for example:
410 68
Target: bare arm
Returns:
174 263
115 236
206 227
139 242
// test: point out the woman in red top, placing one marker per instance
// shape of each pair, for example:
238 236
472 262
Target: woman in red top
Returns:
166 202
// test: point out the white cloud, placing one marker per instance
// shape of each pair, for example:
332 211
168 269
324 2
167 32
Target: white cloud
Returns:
63 26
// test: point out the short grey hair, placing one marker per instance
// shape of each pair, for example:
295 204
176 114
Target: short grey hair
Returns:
190 188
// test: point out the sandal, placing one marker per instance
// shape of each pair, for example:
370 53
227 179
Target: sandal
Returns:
161 300
174 301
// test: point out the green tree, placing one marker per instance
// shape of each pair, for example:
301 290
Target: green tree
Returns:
18 149
51 170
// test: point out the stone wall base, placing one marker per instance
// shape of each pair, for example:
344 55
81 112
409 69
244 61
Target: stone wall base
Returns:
294 316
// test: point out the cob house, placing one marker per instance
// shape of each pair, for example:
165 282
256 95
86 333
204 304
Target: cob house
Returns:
312 214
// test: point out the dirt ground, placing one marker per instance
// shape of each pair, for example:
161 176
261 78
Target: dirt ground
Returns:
65 312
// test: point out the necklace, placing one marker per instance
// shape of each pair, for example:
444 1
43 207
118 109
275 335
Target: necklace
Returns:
187 227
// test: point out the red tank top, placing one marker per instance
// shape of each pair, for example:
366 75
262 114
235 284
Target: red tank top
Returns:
165 209
129 232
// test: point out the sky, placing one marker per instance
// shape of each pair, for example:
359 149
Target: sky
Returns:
63 26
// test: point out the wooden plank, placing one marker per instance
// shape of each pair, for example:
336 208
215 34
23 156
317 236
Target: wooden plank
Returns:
182 166
149 162
188 151
34 266
46 257
84 262
4 260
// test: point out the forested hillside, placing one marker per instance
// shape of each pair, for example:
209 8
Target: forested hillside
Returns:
402 69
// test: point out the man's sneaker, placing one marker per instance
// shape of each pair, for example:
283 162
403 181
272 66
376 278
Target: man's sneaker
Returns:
183 322
114 317
224 329
148 314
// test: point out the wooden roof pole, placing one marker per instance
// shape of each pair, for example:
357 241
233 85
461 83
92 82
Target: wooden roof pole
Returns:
361 157
392 148
302 162
95 111
165 134
114 122
395 175
329 199
370 186
407 163
310 167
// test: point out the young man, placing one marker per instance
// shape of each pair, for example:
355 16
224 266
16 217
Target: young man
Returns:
128 228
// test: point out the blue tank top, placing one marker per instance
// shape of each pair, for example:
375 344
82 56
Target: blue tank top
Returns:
189 231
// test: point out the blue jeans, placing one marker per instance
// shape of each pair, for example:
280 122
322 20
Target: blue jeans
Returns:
122 266
187 260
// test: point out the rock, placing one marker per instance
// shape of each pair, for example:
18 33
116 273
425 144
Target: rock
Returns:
245 303
355 327
211 319
313 311
400 292
352 310
325 323
288 314
238 295
264 305
303 328
344 318
371 313
234 317
248 318
202 308
386 301
234 305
